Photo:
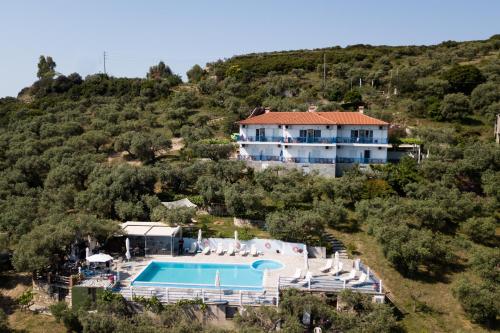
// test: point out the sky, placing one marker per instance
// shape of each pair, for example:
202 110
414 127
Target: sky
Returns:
138 34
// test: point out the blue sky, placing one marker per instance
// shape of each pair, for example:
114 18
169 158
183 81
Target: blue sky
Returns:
137 34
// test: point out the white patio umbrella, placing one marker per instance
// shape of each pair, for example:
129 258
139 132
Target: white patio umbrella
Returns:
356 264
217 283
100 257
87 252
199 237
127 246
236 236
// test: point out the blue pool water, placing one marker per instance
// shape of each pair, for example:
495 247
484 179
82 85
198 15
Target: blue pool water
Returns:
261 265
200 275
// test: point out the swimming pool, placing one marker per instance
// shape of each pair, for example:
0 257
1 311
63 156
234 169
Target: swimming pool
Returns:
200 275
261 265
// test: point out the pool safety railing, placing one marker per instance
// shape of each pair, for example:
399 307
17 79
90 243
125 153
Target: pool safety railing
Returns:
232 297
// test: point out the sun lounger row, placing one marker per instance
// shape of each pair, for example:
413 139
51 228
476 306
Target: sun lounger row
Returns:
231 250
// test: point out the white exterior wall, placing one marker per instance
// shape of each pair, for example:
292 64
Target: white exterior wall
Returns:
358 151
293 131
271 130
345 130
304 151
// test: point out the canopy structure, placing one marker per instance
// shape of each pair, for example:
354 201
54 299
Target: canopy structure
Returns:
100 257
158 237
132 228
183 203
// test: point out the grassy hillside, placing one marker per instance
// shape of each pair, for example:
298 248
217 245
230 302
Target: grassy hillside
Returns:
85 153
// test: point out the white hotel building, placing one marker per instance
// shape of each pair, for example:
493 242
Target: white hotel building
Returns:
328 142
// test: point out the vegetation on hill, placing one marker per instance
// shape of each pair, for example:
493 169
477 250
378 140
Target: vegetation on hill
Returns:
79 154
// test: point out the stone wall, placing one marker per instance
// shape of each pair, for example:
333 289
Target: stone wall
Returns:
327 170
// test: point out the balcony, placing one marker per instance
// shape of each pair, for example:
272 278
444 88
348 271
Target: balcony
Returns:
264 158
360 160
362 140
261 138
306 140
309 139
313 160
259 158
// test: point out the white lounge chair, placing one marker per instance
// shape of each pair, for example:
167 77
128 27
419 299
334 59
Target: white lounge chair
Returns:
230 250
243 250
327 266
363 278
193 248
206 250
253 251
220 250
308 279
350 276
337 269
296 276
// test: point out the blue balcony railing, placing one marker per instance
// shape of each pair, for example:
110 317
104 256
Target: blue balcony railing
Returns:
360 160
362 140
259 158
323 140
314 160
301 139
260 138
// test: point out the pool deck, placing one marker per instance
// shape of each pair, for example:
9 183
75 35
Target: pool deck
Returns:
129 270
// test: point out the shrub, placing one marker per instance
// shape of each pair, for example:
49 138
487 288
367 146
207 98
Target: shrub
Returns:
480 229
479 301
454 107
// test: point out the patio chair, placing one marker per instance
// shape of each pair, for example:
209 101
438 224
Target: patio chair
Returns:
350 276
253 251
220 250
337 269
296 276
230 250
193 248
308 279
327 266
243 250
363 278
206 250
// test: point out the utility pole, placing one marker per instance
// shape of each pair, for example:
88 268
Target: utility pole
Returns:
104 58
324 70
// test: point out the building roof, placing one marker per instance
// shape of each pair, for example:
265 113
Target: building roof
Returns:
312 118
179 204
137 228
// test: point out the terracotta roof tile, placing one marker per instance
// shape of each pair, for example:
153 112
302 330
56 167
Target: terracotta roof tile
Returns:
312 118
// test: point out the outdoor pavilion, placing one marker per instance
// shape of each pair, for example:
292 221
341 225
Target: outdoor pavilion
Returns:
148 238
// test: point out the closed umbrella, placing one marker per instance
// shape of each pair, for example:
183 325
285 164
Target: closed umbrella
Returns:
336 259
236 236
199 237
127 246
87 252
217 283
306 261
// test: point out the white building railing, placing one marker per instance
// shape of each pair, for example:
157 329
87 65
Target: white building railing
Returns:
231 297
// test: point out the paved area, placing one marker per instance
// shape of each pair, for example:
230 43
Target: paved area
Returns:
128 270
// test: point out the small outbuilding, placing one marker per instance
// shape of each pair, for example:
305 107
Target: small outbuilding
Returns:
151 238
